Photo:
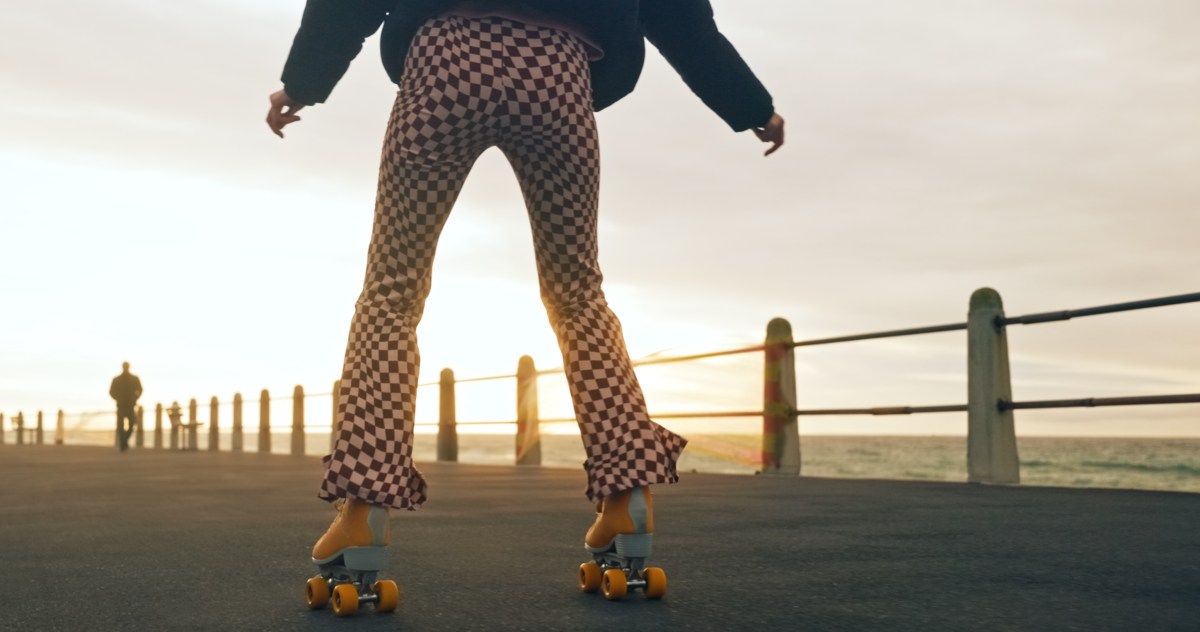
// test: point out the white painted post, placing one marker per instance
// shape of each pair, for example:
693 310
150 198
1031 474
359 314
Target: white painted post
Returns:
264 422
174 414
991 435
214 437
529 439
298 421
193 435
781 428
447 439
236 445
158 433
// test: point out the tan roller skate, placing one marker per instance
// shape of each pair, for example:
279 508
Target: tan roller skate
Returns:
620 541
350 556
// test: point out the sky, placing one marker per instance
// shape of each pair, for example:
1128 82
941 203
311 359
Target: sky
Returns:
1048 149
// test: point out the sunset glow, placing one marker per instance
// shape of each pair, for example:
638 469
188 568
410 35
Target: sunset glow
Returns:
1046 149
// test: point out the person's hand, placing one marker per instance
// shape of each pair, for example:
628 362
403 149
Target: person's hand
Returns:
771 133
283 112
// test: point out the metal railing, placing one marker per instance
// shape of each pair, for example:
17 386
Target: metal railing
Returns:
990 430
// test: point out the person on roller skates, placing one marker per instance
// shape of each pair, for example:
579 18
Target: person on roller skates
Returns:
526 77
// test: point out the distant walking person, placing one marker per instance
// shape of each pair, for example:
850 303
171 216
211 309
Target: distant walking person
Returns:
126 389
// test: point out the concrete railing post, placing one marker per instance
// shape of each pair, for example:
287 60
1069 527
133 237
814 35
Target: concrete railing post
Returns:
298 421
1 428
39 435
333 425
193 435
447 438
529 436
60 428
264 422
139 433
19 422
236 441
174 414
781 427
991 435
214 436
158 436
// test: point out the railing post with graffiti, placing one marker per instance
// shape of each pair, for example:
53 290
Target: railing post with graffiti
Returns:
781 426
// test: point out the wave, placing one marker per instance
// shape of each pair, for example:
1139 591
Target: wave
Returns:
1175 468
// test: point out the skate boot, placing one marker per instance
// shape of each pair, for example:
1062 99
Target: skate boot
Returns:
349 557
620 541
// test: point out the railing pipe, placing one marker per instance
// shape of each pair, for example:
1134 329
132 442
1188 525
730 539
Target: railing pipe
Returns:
1093 402
883 410
781 429
895 333
1068 314
447 437
991 436
528 439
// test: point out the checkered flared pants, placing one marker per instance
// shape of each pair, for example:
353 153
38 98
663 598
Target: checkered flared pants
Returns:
471 84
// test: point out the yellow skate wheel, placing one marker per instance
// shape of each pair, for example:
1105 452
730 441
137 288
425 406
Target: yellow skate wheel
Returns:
345 600
589 577
316 593
389 595
614 584
656 582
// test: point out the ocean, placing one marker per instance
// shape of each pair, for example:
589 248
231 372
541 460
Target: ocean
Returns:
1134 463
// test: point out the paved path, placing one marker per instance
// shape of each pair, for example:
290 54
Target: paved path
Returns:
97 540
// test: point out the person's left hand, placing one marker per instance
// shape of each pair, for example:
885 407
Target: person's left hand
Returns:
771 133
283 112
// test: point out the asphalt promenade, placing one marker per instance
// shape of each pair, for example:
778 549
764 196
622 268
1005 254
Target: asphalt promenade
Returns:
91 539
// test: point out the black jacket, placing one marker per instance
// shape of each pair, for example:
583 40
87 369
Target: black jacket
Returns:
332 33
126 389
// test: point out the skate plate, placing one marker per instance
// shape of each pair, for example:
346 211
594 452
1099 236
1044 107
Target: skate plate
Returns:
349 580
615 575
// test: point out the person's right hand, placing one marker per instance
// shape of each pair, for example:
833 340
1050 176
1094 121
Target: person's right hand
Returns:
771 133
283 112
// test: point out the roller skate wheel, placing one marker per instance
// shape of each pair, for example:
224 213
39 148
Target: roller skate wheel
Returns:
389 595
589 577
345 600
316 593
614 584
656 582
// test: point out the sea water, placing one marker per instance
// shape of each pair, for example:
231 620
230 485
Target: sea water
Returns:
1162 464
